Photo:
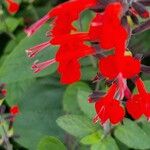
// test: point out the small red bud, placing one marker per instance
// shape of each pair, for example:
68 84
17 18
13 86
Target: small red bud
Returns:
14 110
4 92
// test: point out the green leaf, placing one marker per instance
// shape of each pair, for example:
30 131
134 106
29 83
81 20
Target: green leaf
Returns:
10 24
146 127
11 45
92 138
76 125
39 107
88 72
17 66
85 20
87 108
50 143
132 135
70 103
121 145
142 40
16 90
107 143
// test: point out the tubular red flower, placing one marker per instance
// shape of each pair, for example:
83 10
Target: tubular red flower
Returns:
70 72
13 7
65 13
72 7
109 30
36 26
109 108
139 104
106 28
126 65
72 46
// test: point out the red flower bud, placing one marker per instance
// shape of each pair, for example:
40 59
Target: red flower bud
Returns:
12 7
14 110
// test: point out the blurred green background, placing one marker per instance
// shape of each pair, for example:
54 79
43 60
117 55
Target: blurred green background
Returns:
54 116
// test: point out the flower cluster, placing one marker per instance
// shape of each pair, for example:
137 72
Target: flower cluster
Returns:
110 30
12 6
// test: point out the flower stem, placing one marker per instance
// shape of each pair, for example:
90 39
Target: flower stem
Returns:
8 145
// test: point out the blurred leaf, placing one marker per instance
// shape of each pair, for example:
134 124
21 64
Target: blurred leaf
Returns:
76 125
141 41
10 24
85 61
16 90
92 138
88 68
44 9
17 66
39 107
87 108
146 127
132 135
88 73
107 143
86 18
121 145
11 45
83 23
50 143
70 103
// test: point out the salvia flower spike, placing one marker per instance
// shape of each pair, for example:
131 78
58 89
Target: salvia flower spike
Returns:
114 22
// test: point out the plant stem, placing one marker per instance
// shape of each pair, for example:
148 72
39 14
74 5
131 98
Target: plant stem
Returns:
107 128
8 145
93 62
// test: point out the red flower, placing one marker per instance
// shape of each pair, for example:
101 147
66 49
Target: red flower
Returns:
109 108
139 104
70 72
14 110
64 15
112 65
72 48
106 29
13 7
